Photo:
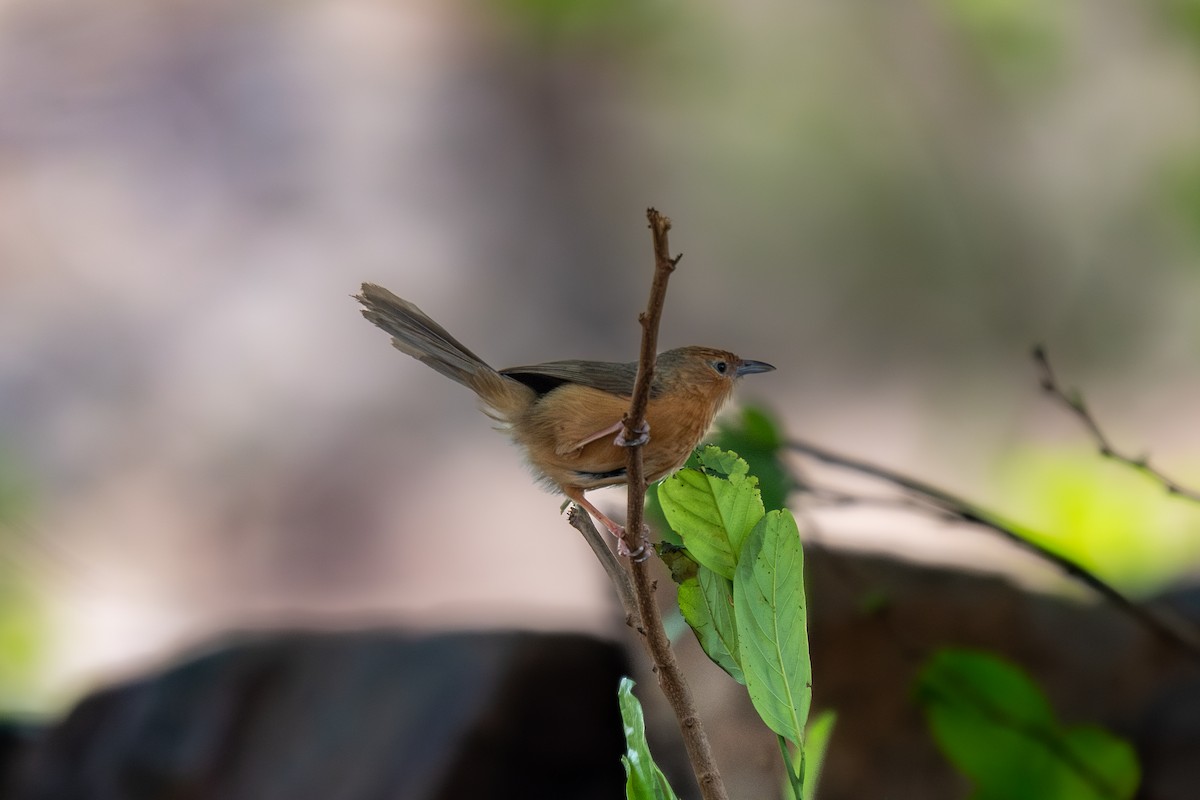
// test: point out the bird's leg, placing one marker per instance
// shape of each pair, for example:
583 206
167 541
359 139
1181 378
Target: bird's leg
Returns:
643 435
618 427
600 434
616 530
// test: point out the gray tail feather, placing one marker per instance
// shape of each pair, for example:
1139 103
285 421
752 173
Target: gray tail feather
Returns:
414 333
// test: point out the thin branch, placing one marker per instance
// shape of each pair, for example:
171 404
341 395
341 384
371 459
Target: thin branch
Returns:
582 522
1167 626
664 265
670 677
839 498
1072 400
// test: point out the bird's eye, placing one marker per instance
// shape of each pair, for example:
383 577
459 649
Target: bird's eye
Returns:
721 367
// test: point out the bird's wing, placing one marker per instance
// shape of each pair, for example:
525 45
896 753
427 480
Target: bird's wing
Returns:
611 377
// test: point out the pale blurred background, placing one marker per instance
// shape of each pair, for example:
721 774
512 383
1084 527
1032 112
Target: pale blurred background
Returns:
889 201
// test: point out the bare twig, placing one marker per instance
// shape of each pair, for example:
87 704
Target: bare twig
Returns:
670 677
1073 401
839 498
1167 626
581 522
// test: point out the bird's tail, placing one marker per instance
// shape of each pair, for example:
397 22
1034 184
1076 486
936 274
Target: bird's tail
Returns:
414 333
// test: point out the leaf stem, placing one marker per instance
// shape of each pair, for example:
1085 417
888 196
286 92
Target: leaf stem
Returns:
795 775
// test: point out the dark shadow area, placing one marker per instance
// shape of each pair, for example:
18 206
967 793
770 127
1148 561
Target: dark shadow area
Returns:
381 714
345 715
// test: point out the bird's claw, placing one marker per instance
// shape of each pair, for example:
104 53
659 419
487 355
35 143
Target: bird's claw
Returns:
641 553
643 436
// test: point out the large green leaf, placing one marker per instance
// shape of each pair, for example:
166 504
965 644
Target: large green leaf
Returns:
643 779
706 602
768 605
998 729
713 509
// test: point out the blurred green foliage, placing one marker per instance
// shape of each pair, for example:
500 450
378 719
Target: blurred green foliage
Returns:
1183 17
1018 42
575 23
816 745
755 436
1111 520
997 728
1181 179
23 627
22 646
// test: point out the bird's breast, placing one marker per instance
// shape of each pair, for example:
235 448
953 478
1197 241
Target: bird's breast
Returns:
677 425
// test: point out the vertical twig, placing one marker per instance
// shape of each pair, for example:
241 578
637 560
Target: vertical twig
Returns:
670 678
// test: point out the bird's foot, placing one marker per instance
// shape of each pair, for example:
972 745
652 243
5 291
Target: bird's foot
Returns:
643 436
620 533
641 553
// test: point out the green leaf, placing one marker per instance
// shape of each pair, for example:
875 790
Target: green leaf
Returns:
768 605
657 520
999 730
676 559
720 462
713 509
706 602
643 779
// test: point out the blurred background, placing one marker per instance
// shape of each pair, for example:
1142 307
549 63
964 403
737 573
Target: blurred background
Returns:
890 202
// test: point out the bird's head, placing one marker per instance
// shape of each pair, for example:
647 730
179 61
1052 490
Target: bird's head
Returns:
704 370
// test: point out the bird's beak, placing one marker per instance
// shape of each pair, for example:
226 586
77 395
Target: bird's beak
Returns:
751 367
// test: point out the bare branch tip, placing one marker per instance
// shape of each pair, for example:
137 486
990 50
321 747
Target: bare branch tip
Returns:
657 221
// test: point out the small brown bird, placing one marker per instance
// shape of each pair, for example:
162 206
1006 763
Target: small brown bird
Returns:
567 415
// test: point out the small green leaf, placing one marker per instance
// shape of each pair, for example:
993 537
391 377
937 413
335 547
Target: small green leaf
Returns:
713 509
706 602
720 462
768 605
681 565
998 729
643 779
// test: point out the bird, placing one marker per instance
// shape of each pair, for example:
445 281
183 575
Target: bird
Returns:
567 416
